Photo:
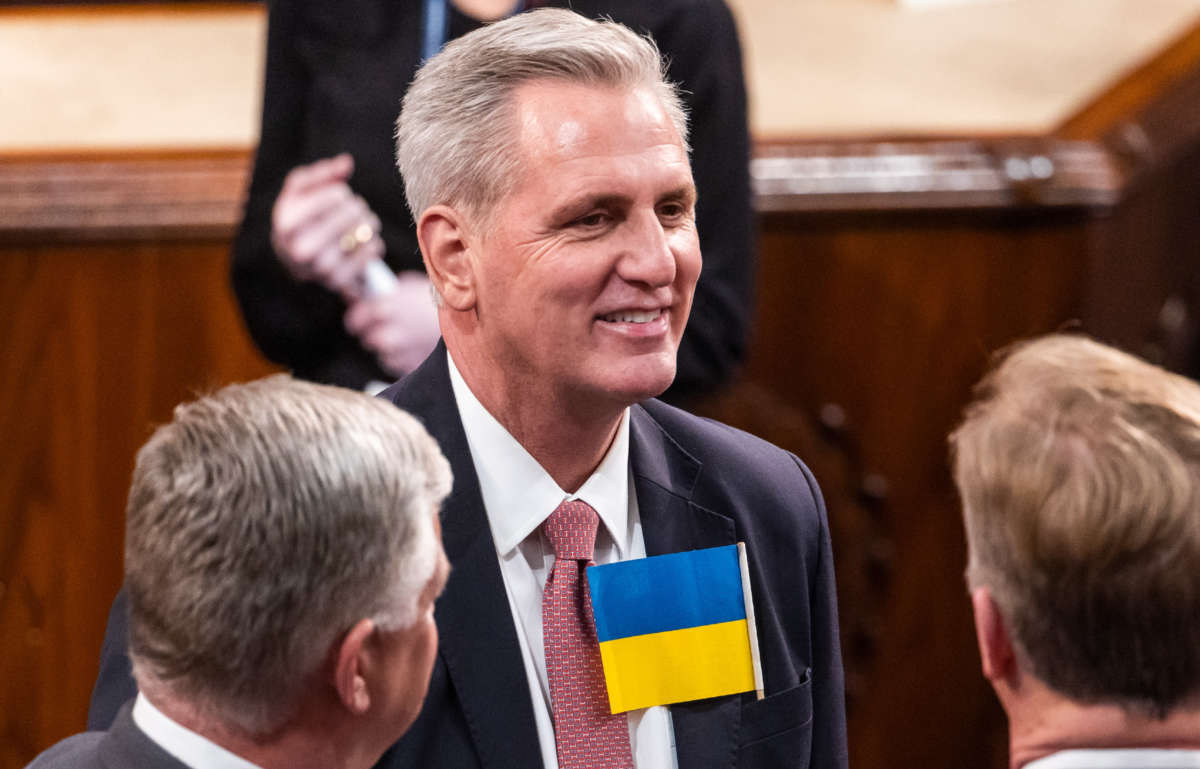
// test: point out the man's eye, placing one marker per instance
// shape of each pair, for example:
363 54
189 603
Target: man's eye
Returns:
592 220
672 211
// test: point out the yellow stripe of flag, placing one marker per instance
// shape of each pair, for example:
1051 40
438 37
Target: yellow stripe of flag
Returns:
677 665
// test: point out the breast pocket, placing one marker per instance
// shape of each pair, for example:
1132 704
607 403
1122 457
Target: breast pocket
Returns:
777 730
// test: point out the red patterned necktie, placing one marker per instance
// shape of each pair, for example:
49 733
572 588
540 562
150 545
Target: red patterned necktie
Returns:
587 734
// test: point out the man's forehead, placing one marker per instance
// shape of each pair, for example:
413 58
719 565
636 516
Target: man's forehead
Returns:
564 118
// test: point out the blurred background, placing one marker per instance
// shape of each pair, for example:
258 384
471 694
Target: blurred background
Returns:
932 180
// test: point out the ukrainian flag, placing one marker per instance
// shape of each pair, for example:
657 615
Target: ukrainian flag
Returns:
674 628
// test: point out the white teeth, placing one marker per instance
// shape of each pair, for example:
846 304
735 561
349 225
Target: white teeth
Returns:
633 317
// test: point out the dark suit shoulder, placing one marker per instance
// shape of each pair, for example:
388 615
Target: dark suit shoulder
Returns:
736 451
78 752
768 492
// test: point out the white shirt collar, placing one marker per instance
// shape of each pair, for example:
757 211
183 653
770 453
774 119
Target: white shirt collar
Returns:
1142 758
182 743
519 494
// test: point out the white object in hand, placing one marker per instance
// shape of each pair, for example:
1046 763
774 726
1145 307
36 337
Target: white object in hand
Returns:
378 279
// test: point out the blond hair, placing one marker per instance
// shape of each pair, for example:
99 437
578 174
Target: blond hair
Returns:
1079 471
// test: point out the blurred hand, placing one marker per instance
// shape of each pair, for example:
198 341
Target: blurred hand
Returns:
321 230
400 327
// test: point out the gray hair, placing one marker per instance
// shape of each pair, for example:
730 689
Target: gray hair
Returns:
456 141
1079 471
263 522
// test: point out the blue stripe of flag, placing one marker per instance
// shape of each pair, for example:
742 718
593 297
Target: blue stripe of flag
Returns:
666 592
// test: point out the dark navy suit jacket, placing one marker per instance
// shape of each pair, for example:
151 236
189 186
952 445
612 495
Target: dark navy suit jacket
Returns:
122 746
699 484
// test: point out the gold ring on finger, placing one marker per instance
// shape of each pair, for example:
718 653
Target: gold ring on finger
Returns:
352 239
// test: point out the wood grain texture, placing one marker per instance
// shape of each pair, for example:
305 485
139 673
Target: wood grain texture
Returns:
104 196
892 318
100 342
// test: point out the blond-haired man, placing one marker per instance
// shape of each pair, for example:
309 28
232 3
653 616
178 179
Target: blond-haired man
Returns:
1079 471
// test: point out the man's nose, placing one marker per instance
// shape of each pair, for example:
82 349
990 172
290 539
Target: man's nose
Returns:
647 257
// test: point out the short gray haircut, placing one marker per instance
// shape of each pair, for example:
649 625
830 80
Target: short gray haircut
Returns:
263 522
1079 470
456 141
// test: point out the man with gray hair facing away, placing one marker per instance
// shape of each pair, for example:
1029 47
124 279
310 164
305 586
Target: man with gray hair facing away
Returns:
282 557
1079 471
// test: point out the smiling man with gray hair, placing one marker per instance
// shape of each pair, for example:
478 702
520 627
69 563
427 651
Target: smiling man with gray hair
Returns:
1079 470
282 557
546 164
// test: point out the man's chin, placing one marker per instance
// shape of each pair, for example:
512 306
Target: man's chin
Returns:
643 384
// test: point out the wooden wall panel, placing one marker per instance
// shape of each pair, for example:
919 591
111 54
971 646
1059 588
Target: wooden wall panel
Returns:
100 341
891 319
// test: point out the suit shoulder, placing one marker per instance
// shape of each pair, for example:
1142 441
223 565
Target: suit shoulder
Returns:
733 452
768 493
77 752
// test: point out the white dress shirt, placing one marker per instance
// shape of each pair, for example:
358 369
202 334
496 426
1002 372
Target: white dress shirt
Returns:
519 495
1109 758
182 743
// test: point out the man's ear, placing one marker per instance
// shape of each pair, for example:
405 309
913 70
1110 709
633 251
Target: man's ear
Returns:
445 243
995 644
350 670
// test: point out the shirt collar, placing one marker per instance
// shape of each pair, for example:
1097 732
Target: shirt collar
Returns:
192 749
519 494
1119 758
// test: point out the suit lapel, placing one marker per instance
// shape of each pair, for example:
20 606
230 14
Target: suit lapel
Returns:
664 476
478 642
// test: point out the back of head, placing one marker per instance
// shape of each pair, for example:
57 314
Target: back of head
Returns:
456 142
262 522
1079 470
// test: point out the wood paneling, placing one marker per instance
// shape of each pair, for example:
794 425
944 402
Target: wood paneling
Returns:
138 196
100 340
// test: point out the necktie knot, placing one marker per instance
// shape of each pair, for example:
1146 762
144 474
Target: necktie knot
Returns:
571 529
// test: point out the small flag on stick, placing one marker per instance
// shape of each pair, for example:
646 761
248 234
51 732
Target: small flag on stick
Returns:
677 627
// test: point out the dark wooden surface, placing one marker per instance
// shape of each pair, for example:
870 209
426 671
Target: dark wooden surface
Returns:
100 340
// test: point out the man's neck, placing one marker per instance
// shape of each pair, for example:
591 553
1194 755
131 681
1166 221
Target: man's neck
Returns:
1058 724
569 439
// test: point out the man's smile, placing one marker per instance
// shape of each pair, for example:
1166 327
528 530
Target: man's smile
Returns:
633 316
